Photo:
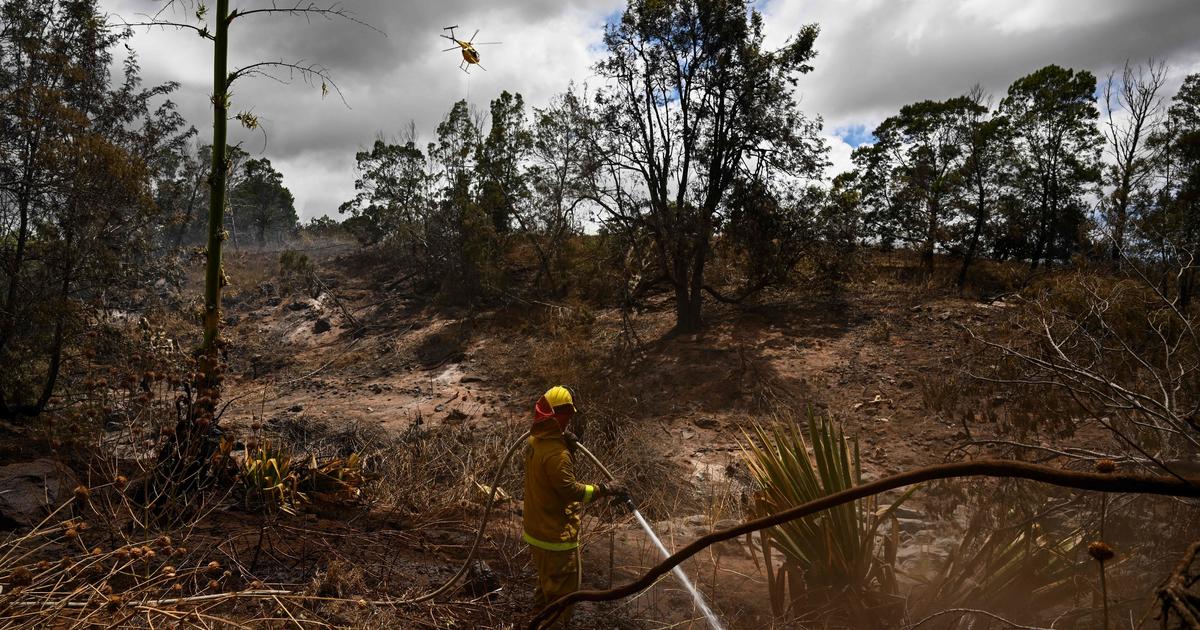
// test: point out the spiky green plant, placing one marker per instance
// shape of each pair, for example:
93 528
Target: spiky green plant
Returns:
1011 568
268 482
837 550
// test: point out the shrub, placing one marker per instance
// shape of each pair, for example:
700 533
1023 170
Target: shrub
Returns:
838 550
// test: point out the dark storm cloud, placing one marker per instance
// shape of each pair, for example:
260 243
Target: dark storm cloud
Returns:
875 56
387 81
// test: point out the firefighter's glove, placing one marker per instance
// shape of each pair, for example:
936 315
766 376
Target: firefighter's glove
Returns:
572 442
615 489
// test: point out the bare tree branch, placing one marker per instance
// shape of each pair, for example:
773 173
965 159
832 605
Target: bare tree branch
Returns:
1005 469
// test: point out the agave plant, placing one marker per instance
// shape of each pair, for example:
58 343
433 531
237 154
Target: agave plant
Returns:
268 481
337 481
1012 568
836 551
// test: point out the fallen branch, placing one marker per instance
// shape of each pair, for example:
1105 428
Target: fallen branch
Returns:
1175 596
172 601
971 611
1098 482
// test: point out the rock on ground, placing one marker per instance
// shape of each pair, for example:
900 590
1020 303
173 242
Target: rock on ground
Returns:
30 490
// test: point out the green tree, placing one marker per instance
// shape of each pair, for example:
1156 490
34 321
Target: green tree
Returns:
1052 114
987 150
560 177
502 185
1171 223
79 155
694 102
461 235
263 201
183 194
917 162
394 202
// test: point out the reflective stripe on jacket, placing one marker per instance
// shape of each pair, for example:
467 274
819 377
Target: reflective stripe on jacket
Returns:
553 497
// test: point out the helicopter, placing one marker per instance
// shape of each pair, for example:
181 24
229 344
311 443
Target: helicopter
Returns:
469 54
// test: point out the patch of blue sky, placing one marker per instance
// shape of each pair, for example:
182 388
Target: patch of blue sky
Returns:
613 18
855 135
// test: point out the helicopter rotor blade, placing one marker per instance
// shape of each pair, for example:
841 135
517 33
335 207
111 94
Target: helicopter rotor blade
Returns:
473 36
450 49
449 38
486 43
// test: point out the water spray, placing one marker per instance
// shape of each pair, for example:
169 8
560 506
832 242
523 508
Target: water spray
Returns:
709 616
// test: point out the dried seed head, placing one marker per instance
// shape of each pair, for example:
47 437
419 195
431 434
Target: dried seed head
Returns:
177 588
169 570
257 585
149 553
1106 466
179 551
122 554
82 493
42 565
96 551
114 602
136 551
19 577
71 533
214 585
163 541
214 566
122 480
82 526
1101 551
107 589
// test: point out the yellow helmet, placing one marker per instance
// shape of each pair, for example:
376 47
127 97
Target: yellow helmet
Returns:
558 396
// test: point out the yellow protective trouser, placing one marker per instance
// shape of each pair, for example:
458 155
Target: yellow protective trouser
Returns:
557 575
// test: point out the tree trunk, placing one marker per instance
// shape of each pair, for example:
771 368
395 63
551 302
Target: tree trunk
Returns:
213 276
687 311
8 323
976 233
1119 221
1039 246
55 363
1187 286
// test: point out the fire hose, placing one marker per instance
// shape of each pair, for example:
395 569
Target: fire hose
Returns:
492 488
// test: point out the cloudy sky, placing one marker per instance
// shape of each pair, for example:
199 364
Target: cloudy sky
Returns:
874 56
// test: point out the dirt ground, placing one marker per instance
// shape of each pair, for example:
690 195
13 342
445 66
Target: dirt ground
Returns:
364 353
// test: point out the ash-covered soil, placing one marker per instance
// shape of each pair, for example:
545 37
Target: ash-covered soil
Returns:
362 352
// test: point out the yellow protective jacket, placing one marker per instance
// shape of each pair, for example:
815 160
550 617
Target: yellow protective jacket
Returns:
553 497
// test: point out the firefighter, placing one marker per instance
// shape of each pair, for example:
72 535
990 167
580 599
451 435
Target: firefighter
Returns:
554 498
